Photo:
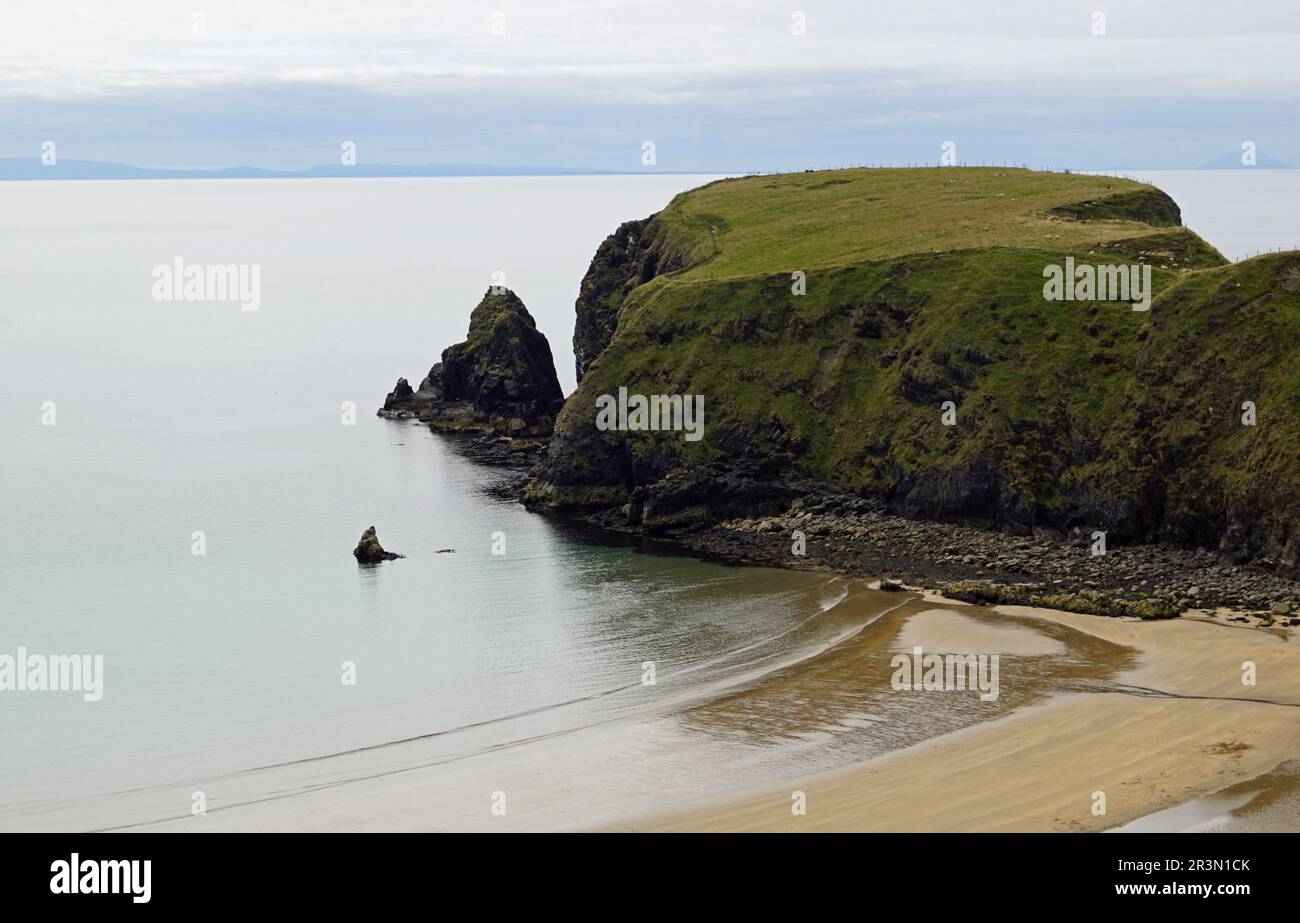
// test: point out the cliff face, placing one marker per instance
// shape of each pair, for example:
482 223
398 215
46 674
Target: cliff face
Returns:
633 255
925 287
502 378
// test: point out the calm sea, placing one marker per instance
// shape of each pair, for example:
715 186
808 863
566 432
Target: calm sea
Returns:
223 671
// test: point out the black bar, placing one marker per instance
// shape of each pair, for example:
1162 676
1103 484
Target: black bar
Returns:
658 874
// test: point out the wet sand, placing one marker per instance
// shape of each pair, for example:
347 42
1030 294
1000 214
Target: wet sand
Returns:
1185 729
1152 714
1266 804
813 698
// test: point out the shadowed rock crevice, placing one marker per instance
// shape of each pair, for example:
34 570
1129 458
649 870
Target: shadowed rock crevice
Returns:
629 257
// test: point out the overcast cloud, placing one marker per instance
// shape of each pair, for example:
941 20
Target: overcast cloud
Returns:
717 86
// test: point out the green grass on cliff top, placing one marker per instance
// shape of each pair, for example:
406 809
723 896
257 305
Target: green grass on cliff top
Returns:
758 225
926 286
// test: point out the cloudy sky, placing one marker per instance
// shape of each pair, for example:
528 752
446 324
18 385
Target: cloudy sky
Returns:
718 86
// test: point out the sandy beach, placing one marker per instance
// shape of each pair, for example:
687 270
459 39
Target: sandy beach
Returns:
1190 728
1153 715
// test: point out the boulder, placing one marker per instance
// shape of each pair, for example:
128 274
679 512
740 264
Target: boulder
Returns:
369 551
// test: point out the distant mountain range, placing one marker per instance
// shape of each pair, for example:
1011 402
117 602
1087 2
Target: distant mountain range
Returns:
1233 162
31 168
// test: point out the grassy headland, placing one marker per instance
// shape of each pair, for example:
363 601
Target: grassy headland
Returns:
925 286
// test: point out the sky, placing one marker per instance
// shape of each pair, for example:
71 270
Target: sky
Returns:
716 86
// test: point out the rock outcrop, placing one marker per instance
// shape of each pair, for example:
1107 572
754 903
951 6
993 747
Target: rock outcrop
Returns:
1150 206
369 551
500 380
636 253
631 256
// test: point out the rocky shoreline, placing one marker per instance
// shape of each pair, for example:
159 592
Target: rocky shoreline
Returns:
743 515
1084 459
857 537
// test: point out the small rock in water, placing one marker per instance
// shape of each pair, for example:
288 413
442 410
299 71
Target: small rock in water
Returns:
369 551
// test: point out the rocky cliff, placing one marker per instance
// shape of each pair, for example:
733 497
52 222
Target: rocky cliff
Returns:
501 379
885 334
633 255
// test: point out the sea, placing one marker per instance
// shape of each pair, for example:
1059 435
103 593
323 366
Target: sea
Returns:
184 481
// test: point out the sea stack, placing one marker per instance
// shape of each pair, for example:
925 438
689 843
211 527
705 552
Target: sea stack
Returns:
369 551
500 380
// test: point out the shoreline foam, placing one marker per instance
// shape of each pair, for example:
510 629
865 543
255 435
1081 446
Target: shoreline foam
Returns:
1170 724
1188 730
